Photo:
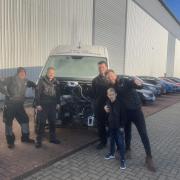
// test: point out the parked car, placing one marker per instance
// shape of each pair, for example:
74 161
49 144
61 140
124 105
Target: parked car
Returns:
155 82
146 95
176 84
75 68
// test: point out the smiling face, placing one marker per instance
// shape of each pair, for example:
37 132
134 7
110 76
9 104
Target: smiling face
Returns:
111 77
102 68
51 73
111 94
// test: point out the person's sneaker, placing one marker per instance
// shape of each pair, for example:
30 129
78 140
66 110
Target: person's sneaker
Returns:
100 146
109 156
128 154
55 141
123 165
38 144
11 146
150 164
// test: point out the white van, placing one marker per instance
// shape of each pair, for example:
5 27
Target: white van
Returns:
75 68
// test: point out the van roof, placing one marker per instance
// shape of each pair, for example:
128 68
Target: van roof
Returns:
99 51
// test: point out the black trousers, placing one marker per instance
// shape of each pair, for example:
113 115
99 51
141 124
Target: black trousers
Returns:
48 112
137 117
15 110
101 117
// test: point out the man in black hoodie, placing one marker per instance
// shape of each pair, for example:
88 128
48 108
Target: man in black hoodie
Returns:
116 119
14 89
99 88
126 89
47 102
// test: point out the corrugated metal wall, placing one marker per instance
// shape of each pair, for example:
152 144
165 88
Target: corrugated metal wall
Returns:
170 55
29 29
146 43
177 59
109 30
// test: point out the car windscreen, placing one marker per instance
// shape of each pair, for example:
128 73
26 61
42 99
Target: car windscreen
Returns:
74 66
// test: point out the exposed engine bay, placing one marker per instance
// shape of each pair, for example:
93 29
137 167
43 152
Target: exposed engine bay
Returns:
76 105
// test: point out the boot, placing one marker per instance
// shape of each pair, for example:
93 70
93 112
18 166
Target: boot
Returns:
10 141
150 164
25 139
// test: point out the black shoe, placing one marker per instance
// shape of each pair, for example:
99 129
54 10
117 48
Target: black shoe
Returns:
11 146
100 146
27 140
38 144
55 141
123 165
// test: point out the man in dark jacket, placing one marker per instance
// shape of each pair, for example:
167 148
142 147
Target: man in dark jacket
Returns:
14 89
116 119
126 91
47 102
99 88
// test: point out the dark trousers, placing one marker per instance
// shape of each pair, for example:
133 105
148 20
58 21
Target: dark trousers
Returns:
117 137
15 110
101 117
48 112
137 117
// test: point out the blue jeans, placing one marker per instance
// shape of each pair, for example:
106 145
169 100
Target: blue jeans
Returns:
117 137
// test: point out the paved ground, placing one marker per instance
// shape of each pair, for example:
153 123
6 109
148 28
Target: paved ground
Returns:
164 132
25 158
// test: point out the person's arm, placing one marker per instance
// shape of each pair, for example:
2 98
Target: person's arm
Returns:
58 92
93 88
133 84
38 91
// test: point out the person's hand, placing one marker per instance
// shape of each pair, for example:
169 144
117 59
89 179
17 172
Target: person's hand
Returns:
107 109
39 108
58 106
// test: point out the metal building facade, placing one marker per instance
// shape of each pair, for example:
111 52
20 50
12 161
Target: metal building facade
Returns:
30 29
145 53
138 34
110 30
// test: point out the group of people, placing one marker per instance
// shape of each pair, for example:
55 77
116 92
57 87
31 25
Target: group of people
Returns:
117 106
46 101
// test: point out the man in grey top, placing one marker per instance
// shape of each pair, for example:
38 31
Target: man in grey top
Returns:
14 89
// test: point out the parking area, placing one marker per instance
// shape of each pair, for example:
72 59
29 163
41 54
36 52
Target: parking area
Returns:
89 164
25 159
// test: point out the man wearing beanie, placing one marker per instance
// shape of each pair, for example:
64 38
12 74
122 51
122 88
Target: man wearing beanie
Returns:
14 89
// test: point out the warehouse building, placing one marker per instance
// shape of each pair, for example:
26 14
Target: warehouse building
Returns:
142 37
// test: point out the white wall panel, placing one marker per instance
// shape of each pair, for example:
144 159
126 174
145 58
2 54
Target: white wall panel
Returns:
177 59
109 30
161 15
170 55
29 29
146 44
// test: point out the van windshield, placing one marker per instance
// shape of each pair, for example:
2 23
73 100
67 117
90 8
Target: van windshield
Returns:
74 66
